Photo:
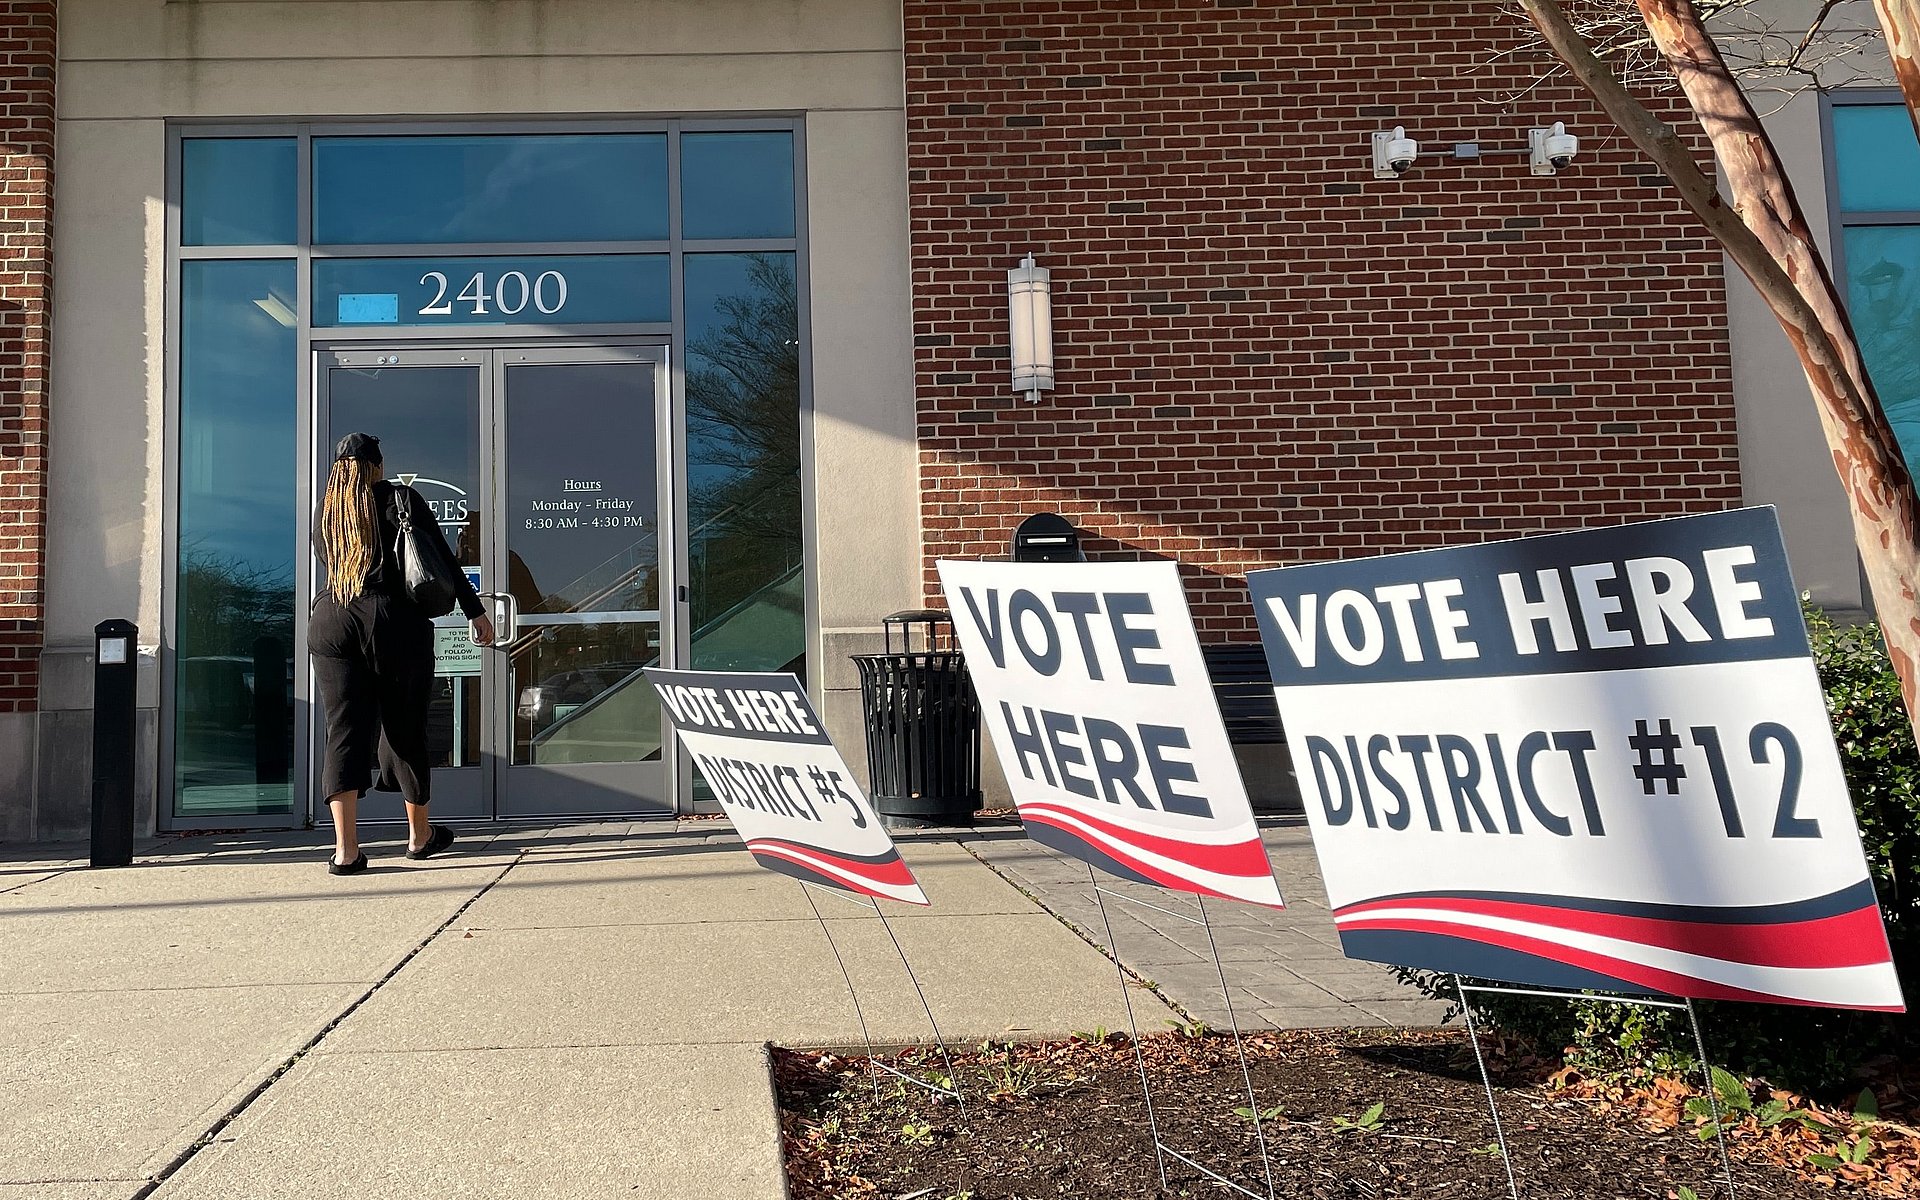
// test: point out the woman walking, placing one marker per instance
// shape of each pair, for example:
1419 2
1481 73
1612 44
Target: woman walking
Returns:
373 649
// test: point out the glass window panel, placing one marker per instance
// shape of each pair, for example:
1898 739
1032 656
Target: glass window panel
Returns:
583 559
1877 156
1883 298
743 463
580 696
583 512
737 185
238 192
493 188
233 734
531 290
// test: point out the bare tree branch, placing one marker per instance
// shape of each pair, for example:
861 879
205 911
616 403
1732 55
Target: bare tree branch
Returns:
1759 51
1765 233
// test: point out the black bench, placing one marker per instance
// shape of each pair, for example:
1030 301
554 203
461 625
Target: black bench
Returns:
1243 687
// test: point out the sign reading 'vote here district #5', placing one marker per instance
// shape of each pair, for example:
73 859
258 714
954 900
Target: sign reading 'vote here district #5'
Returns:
1591 760
1093 689
759 745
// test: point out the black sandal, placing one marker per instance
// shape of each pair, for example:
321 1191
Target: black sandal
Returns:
352 868
438 840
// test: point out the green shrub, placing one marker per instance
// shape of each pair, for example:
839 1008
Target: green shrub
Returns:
1883 771
1808 1049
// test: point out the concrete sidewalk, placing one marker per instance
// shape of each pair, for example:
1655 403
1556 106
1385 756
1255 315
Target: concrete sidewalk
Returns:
564 1012
577 1011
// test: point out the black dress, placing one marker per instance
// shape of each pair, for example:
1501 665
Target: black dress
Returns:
373 658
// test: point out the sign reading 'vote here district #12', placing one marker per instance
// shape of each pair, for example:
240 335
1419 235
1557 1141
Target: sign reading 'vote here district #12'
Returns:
758 743
1093 689
1591 760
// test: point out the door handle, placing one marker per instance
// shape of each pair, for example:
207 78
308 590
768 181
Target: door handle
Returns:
509 627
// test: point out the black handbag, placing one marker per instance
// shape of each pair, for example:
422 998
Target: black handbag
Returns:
426 573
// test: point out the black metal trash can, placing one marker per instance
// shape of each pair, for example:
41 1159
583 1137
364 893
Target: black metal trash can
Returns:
923 726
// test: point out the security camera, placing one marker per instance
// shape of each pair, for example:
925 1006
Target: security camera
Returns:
1393 153
1551 150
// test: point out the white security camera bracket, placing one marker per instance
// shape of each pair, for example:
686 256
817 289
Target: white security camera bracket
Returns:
1394 153
1550 150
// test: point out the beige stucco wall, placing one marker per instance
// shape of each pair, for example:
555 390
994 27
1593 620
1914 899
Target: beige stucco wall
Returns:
1783 453
108 388
126 66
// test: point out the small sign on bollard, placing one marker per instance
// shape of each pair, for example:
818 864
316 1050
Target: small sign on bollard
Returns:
115 661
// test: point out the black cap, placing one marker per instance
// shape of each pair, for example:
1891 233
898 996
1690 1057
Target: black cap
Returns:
363 446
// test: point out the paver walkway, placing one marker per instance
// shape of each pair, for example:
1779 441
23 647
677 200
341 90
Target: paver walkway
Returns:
1284 969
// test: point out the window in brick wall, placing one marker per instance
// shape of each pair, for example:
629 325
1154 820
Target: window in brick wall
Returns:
1875 177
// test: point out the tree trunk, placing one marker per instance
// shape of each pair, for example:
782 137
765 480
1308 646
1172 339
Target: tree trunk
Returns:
1766 236
1901 21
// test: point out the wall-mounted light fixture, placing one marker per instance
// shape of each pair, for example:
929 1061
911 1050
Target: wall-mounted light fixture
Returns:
1549 150
1030 328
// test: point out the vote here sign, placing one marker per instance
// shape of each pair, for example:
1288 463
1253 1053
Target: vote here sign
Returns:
1591 760
757 743
1092 687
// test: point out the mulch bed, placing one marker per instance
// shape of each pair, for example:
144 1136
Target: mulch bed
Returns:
1067 1120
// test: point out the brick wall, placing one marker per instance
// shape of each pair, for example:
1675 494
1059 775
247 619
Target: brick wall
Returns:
26 162
1264 354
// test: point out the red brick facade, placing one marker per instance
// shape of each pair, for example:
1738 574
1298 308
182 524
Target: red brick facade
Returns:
26 176
1264 354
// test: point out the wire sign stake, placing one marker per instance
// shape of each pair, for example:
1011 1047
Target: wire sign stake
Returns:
1685 1005
1161 1150
1098 699
760 746
1486 1079
951 1089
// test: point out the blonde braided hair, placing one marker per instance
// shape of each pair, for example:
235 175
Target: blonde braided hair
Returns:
349 523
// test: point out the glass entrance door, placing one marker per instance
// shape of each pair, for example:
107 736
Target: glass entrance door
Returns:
425 407
546 470
582 496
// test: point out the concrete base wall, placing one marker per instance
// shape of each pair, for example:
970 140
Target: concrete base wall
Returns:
46 759
46 775
18 732
63 808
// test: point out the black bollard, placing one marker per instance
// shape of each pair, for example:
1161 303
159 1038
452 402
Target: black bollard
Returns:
115 662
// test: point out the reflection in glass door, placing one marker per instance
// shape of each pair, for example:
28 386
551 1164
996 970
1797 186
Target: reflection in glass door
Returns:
544 468
582 496
425 407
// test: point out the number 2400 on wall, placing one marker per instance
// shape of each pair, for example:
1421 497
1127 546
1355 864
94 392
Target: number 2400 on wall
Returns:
510 294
